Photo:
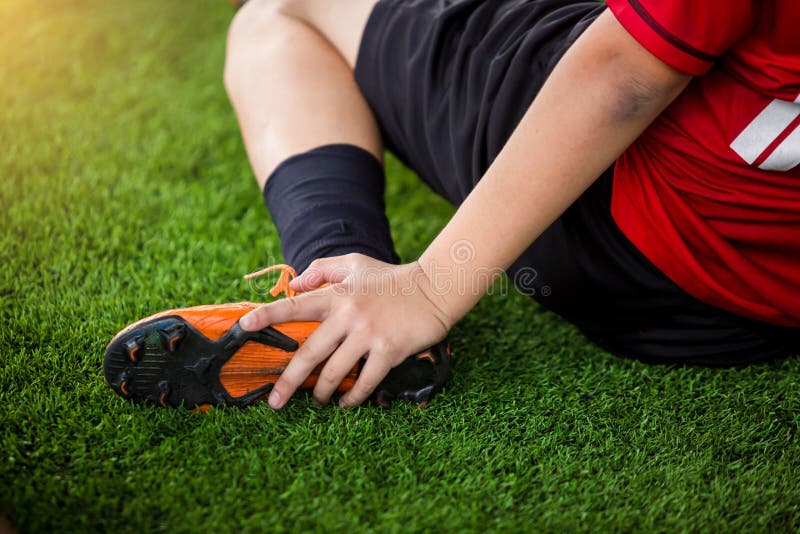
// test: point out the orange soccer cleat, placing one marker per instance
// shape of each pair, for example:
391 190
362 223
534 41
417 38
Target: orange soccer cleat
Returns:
200 357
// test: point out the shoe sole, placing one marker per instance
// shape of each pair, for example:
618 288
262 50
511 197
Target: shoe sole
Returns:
166 361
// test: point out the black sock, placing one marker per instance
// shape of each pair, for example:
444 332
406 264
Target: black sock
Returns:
329 202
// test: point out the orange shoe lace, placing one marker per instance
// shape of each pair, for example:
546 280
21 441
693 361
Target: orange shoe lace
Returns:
282 285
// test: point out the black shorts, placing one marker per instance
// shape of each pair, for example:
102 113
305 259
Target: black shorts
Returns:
448 81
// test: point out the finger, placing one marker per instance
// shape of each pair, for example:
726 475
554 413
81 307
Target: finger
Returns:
338 367
322 271
306 307
319 345
374 371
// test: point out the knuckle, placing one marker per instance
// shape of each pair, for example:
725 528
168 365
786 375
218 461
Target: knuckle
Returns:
364 390
305 356
368 385
363 326
315 265
291 306
355 259
352 308
383 345
261 315
284 385
329 376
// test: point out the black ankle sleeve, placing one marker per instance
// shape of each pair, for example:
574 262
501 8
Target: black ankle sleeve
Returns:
328 202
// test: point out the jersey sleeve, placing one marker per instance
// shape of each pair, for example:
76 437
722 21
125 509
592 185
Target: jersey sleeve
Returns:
688 35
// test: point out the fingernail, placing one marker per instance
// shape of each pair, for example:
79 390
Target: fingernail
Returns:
247 322
274 400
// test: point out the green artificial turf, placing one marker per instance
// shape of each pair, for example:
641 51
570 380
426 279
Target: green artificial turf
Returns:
124 190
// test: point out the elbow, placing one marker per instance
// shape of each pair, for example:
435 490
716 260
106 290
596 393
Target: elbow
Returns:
632 83
637 94
633 97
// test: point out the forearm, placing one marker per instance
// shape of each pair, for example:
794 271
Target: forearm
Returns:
601 96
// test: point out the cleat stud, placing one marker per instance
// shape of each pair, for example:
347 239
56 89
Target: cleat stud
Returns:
122 384
132 347
420 397
200 367
173 334
381 399
201 408
427 355
163 387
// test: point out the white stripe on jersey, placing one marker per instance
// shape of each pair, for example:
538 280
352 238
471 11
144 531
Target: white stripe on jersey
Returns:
786 157
765 128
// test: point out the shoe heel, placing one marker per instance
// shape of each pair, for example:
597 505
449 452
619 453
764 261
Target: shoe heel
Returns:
417 379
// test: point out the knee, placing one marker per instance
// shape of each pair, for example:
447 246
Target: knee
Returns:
257 24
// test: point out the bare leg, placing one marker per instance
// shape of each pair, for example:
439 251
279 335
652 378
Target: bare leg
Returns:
289 74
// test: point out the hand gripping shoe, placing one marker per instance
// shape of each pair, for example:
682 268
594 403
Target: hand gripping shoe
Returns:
199 357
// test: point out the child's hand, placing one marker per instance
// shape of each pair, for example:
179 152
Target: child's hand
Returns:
384 311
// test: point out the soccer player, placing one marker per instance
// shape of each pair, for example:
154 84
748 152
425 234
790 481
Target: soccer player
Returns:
634 166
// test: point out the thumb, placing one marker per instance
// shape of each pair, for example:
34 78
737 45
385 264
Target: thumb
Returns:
322 271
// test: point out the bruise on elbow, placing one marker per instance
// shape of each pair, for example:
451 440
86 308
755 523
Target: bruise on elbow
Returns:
636 84
636 95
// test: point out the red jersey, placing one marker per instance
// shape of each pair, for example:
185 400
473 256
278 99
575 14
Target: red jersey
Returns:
710 193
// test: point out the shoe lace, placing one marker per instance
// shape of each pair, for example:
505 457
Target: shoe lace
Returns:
282 285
